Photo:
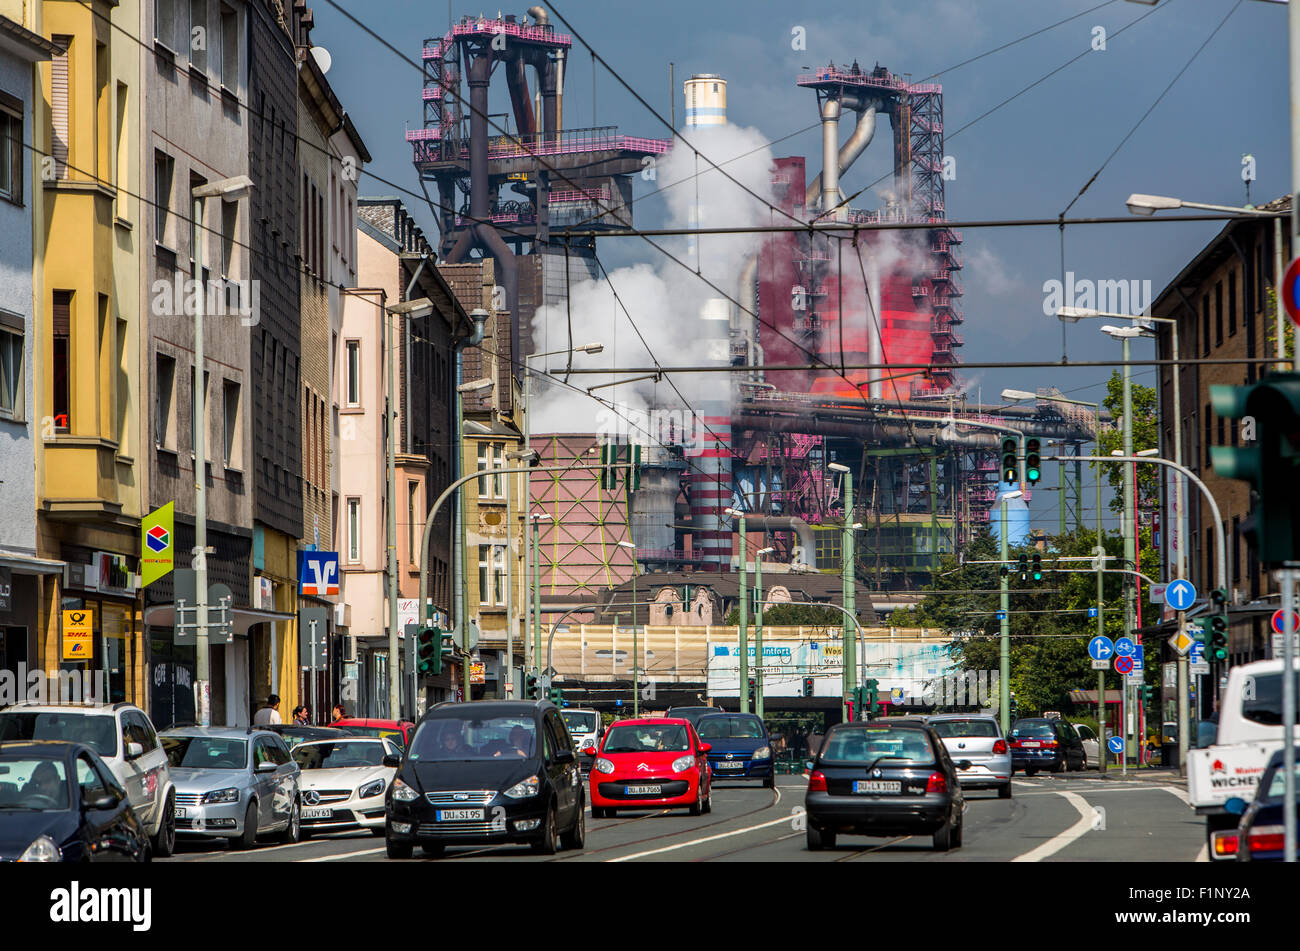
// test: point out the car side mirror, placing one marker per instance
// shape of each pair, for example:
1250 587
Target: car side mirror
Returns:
808 765
589 751
1235 806
134 750
391 760
266 766
564 756
706 747
963 764
103 801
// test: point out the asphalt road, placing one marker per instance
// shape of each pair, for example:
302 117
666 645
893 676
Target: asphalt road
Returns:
1050 818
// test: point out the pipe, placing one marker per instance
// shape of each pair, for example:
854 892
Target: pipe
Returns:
520 101
540 16
830 155
805 551
747 312
862 135
559 91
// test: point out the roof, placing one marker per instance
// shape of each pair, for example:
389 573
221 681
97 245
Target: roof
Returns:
485 708
39 746
660 721
222 732
370 721
22 42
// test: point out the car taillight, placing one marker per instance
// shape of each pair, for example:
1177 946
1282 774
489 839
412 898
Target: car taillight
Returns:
817 782
999 746
936 783
1225 843
1266 839
1050 743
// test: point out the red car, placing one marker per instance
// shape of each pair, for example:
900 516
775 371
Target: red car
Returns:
400 731
650 763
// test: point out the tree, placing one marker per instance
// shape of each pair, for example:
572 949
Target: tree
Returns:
792 615
1146 435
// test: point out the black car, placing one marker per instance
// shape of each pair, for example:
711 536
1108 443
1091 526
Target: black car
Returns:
1259 834
1043 743
692 714
490 772
59 802
882 778
295 733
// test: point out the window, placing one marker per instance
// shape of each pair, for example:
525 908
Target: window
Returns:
103 115
233 457
198 38
11 149
123 152
1205 322
354 372
1236 548
1218 313
1232 303
60 104
164 22
1208 436
164 432
122 386
92 786
414 531
492 574
491 456
164 167
354 529
11 366
229 49
61 361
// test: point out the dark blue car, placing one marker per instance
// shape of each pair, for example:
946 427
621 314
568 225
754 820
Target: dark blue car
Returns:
1258 838
740 747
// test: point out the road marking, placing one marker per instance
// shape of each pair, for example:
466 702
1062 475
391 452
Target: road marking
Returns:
345 855
1181 794
318 839
1058 842
1204 854
709 838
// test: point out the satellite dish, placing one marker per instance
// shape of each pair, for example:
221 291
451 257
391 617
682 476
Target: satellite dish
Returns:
322 57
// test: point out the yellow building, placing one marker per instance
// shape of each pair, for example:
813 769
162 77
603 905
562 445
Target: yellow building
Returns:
89 492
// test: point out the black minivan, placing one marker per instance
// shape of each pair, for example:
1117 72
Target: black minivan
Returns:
490 772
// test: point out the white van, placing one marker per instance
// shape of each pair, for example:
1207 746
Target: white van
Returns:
586 728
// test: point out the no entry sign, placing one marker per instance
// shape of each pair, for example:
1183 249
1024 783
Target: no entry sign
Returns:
1290 299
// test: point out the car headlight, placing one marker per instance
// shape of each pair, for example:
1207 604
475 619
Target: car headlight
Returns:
42 850
603 765
371 789
523 789
403 792
230 794
763 752
683 763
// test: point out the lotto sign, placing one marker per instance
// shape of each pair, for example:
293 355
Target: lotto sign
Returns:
78 635
157 547
318 573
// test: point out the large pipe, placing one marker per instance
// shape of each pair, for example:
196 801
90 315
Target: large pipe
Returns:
747 312
862 135
559 91
830 155
517 81
540 16
805 552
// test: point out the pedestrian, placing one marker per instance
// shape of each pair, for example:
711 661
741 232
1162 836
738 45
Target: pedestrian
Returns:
338 713
270 713
300 715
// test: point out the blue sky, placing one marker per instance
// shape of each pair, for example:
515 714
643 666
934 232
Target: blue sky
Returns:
1025 160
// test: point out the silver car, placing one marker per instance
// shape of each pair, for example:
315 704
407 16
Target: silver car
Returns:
978 739
233 784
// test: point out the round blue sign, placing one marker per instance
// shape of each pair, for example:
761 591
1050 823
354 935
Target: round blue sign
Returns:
1115 744
1180 595
1125 647
1100 648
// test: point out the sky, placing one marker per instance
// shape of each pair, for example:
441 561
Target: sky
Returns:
1027 159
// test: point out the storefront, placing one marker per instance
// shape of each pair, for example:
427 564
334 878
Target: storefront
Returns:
103 584
20 614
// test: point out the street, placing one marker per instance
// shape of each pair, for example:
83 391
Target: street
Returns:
1050 819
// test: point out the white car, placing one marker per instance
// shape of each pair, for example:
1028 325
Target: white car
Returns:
343 781
1091 748
127 743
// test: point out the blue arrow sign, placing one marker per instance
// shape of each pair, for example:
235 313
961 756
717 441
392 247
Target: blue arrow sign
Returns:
1115 744
1125 647
1100 648
1180 595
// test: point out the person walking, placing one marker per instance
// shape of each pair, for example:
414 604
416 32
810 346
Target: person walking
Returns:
270 713
300 717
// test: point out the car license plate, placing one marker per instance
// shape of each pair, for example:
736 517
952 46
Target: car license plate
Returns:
318 813
1031 746
731 765
180 812
459 815
877 786
643 791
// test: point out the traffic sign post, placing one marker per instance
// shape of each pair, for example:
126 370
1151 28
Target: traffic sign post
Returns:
1101 650
1180 594
1123 666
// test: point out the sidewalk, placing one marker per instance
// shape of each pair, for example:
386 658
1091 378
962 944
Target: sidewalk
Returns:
1148 774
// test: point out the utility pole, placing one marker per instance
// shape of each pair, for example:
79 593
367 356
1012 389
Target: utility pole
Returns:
1101 632
1004 650
1130 541
744 615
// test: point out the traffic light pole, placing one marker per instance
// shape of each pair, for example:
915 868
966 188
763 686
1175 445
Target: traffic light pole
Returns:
1288 578
1004 650
758 635
743 687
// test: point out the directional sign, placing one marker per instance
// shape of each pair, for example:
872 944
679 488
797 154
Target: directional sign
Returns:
1101 648
1124 664
1092 612
1115 744
1180 595
1181 642
1125 647
1279 618
1289 295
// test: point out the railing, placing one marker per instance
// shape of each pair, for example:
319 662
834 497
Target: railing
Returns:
531 34
851 78
580 194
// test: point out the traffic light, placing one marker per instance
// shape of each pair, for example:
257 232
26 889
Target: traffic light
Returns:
1004 570
1023 567
1015 708
808 683
870 694
1010 462
556 696
1038 567
428 650
530 685
1217 648
1033 461
1148 695
1270 461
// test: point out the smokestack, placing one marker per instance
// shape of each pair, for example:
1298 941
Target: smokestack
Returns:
706 100
831 158
710 480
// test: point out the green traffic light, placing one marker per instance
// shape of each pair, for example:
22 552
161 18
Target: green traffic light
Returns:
1033 475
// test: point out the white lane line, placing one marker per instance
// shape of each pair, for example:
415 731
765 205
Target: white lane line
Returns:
708 838
263 849
1175 791
1058 842
345 855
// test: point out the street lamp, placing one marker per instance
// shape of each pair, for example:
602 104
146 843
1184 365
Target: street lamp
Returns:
636 685
743 630
848 555
758 630
236 187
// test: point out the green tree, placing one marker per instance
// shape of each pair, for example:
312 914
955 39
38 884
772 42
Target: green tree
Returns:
1146 435
792 615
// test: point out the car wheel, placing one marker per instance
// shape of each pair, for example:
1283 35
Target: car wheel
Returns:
249 838
548 844
1083 762
576 837
769 782
708 801
816 838
293 831
697 807
956 834
1031 771
943 837
164 843
434 851
378 830
396 850
1004 791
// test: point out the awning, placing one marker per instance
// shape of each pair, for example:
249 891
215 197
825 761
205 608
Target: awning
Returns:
1090 696
163 615
27 565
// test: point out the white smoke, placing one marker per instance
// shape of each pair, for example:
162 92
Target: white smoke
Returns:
662 297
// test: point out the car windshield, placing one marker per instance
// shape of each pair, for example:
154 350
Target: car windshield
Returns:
97 732
580 722
205 752
1033 729
736 728
1261 698
339 755
1275 782
32 783
448 739
647 738
377 731
949 729
865 745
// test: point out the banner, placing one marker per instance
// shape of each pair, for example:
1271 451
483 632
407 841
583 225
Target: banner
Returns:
156 544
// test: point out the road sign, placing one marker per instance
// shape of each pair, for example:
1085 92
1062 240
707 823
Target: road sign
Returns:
1180 594
1092 612
1278 620
1101 648
1181 642
1277 644
313 633
1115 744
1002 615
78 635
1199 665
1289 295
895 695
1125 647
1124 664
